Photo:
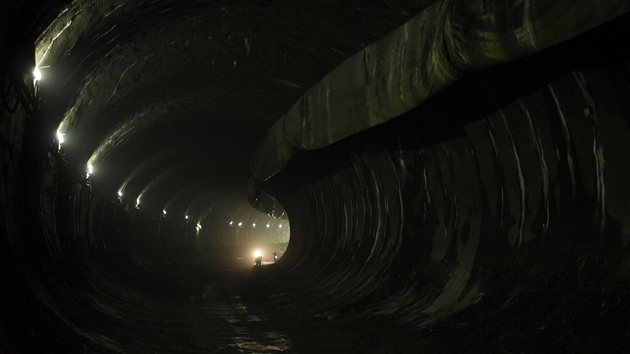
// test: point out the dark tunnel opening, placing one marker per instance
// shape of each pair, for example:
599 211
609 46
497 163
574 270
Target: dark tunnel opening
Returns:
492 216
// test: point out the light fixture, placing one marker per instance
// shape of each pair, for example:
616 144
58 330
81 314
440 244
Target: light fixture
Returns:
267 225
280 226
186 217
240 224
90 169
231 222
119 193
253 225
198 227
163 211
60 137
37 74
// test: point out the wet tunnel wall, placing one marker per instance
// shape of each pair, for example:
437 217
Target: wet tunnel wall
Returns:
70 253
513 179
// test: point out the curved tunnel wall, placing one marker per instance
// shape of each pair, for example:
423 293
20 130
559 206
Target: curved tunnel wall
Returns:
70 254
412 63
510 180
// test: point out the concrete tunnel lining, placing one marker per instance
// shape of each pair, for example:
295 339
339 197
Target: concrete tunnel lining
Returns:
427 54
518 200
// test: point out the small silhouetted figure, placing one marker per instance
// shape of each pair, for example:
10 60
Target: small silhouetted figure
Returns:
275 256
258 260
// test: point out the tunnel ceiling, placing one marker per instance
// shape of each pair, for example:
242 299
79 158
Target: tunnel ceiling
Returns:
168 99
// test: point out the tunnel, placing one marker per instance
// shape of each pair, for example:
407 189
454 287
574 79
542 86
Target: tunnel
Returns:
436 176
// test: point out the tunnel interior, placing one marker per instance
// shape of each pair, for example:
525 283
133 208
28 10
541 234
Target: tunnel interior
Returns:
436 176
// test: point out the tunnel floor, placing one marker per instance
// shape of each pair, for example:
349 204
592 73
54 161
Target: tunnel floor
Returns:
210 318
234 307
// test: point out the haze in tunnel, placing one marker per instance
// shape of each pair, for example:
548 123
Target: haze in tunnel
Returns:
455 174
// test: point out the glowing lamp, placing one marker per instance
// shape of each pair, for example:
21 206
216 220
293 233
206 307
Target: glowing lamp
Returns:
37 74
